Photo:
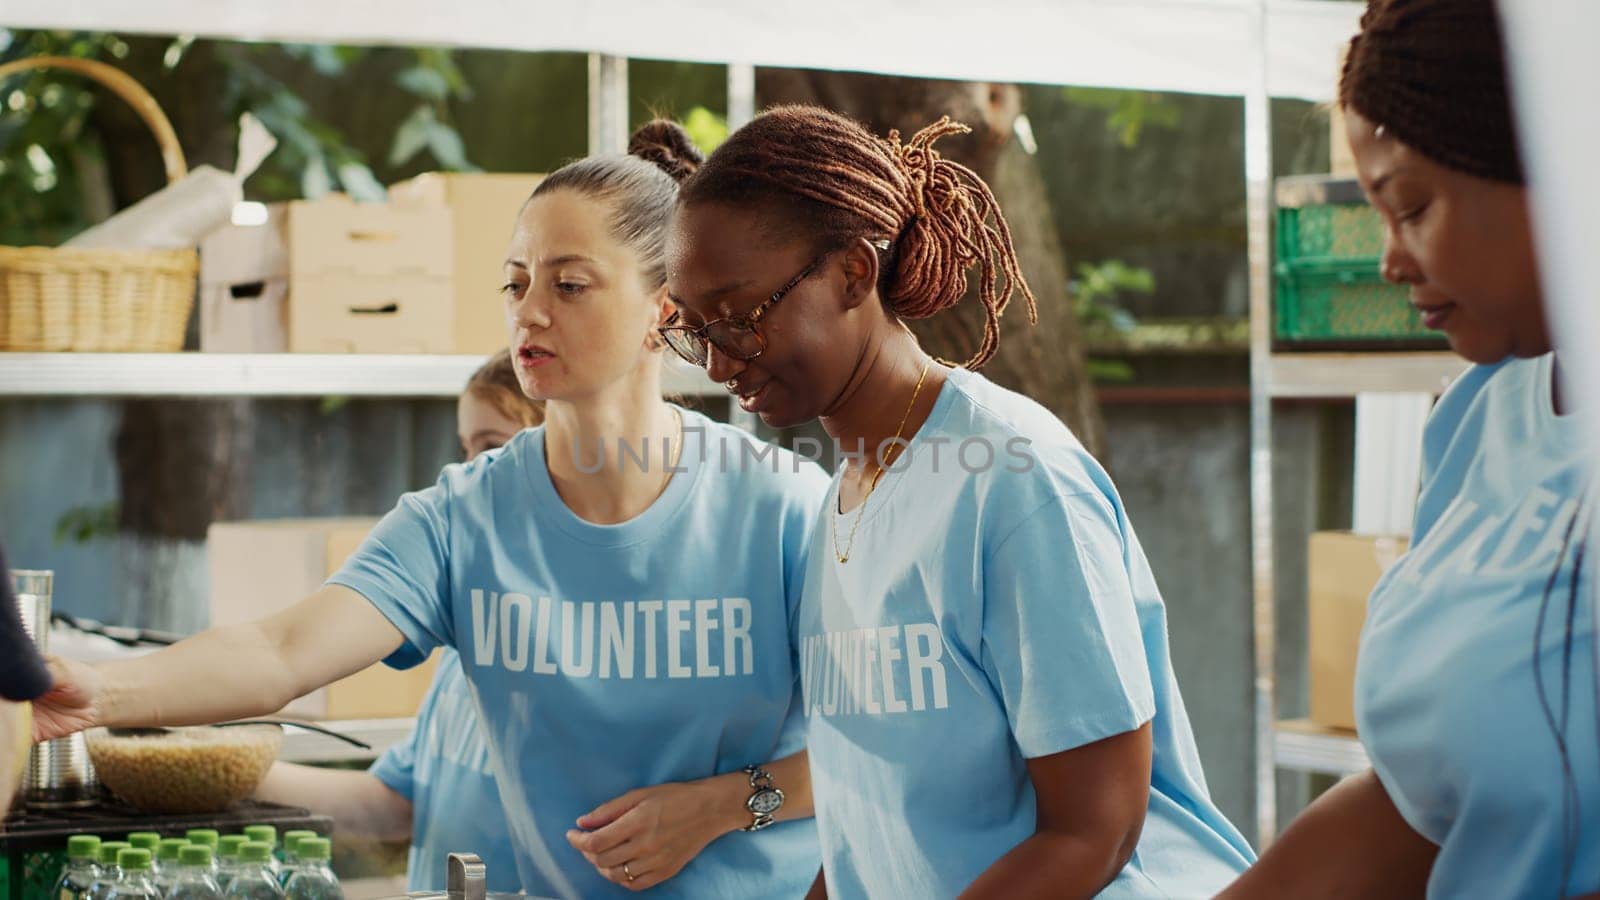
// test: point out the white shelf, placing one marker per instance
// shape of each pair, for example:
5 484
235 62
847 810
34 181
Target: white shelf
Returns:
263 375
1348 374
308 746
1305 747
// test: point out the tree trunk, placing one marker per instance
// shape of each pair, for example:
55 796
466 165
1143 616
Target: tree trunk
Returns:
1045 362
180 463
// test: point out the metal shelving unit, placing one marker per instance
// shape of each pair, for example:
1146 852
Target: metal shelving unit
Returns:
1304 746
264 375
1338 375
1298 745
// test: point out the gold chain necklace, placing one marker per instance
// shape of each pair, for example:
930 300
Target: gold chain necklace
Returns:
833 519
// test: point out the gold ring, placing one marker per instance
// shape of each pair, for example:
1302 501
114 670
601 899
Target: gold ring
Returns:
626 872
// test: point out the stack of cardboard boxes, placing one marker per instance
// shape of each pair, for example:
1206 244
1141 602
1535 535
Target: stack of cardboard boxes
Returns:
415 275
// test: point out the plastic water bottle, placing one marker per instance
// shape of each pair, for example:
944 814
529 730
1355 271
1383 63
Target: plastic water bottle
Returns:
136 883
82 869
110 873
254 880
194 876
291 859
148 840
313 878
205 837
228 866
267 834
166 866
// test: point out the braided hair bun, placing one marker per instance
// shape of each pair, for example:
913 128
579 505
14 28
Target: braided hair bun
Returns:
665 144
1433 74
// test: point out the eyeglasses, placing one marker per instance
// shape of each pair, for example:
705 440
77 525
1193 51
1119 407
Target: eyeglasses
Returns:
735 337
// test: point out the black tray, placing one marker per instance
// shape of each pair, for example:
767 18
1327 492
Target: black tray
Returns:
34 830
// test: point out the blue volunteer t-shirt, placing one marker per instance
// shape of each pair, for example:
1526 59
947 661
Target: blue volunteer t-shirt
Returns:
1466 685
443 769
988 616
611 657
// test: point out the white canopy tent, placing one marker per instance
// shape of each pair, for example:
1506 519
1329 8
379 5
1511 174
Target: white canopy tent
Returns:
1195 46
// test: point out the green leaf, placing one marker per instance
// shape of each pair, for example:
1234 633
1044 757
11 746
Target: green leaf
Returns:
443 62
175 51
82 524
1109 370
314 179
424 82
324 58
359 182
448 148
707 129
331 405
412 135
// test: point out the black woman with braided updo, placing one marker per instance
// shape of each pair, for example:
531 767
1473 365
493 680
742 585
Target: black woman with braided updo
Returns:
983 649
1476 684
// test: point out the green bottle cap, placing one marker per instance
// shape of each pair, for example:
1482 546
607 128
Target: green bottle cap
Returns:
315 849
145 840
290 838
262 834
255 852
134 859
207 837
169 848
229 848
194 855
83 846
110 849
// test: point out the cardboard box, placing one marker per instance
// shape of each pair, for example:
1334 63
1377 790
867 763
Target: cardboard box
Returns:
1344 569
244 287
483 210
261 567
335 235
368 277
343 313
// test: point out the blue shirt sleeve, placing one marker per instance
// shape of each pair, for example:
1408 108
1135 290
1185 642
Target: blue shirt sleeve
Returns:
403 568
1061 637
397 767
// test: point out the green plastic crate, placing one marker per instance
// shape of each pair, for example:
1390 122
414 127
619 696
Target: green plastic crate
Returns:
1344 302
1348 232
30 875
1329 287
1321 217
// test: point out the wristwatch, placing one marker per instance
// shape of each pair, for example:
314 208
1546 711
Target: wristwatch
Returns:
765 799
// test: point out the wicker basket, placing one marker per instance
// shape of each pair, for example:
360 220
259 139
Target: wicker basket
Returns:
60 298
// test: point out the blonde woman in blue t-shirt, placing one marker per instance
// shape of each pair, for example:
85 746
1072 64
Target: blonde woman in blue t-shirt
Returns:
619 584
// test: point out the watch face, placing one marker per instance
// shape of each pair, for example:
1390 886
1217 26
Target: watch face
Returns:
765 802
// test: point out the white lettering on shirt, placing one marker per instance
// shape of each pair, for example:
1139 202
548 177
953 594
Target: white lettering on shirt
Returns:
706 638
845 673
